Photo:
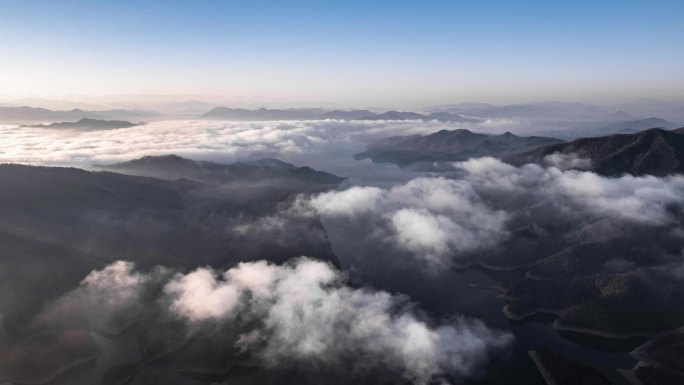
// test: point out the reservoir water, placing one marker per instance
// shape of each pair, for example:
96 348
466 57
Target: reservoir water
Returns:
447 292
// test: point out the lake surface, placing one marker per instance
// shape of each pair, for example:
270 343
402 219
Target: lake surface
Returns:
447 292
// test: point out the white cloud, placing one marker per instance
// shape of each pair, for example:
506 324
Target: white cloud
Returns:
437 219
433 218
205 295
301 315
422 232
107 299
567 161
350 202
200 295
304 316
645 199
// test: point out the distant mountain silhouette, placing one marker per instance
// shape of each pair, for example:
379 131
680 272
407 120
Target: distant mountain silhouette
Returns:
243 114
544 110
558 110
619 127
446 145
27 114
621 115
631 126
31 113
263 114
447 117
88 124
266 171
670 110
396 115
125 114
348 115
404 115
654 151
586 129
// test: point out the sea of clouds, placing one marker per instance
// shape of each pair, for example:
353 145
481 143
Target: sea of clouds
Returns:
465 208
327 145
305 314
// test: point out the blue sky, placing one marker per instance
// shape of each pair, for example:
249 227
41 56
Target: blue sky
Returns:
346 53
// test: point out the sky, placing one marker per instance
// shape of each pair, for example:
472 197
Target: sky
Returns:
344 53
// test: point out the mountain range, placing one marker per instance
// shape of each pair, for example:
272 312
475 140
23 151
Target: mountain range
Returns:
24 114
263 172
449 145
673 111
57 225
574 130
654 152
572 116
439 116
88 124
241 114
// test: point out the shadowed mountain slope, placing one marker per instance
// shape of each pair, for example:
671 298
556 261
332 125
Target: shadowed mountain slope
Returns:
654 151
268 171
446 145
58 224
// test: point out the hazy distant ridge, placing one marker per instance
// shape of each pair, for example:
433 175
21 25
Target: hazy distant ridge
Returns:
25 114
225 113
88 124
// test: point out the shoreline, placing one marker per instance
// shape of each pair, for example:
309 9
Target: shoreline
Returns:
557 324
